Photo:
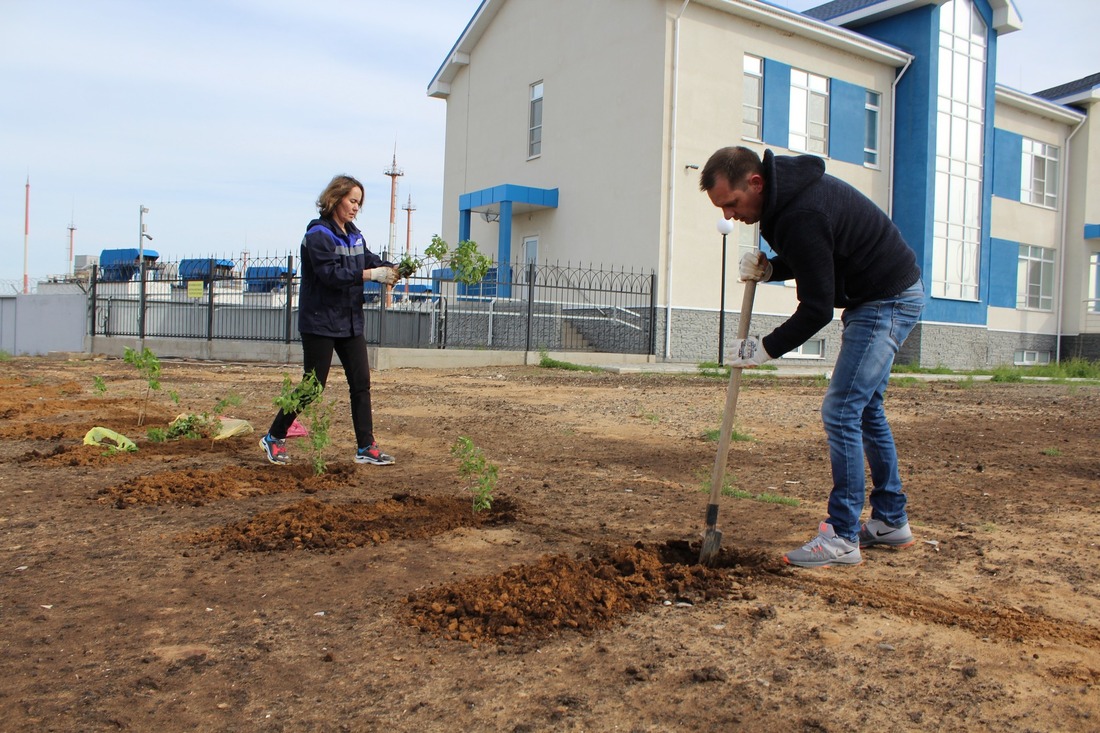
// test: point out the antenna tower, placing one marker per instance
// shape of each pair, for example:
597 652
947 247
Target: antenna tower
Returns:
409 224
393 172
72 228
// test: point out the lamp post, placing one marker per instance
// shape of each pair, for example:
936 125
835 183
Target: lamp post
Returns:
142 236
725 226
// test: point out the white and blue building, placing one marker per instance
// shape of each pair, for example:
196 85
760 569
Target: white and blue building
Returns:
575 131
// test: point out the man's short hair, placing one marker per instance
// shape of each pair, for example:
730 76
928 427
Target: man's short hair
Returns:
735 164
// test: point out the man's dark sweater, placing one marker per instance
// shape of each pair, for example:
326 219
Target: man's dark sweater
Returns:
838 246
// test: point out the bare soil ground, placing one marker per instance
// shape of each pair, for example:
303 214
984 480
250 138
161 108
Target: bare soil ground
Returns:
193 586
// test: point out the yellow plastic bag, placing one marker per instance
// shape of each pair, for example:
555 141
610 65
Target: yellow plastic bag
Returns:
232 426
96 436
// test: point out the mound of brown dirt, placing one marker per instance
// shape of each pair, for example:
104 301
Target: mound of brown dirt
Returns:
584 594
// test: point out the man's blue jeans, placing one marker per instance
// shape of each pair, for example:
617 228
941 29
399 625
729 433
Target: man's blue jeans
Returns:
855 421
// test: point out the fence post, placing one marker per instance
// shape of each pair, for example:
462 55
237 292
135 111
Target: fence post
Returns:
141 304
289 291
95 302
383 297
530 303
653 314
210 304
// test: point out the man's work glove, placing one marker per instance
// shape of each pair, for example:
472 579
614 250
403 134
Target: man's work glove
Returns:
747 353
754 266
384 275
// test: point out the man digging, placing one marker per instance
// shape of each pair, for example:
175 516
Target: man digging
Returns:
842 251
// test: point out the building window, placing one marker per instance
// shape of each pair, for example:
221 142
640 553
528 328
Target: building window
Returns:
812 349
872 110
809 132
1094 283
960 130
534 131
752 99
1026 357
747 237
1035 278
1039 178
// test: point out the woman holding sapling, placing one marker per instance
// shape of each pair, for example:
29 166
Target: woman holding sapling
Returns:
335 264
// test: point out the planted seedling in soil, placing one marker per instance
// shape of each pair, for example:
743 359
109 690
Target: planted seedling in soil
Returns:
308 402
196 426
473 466
148 365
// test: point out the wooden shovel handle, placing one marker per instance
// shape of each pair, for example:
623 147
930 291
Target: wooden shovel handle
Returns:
734 388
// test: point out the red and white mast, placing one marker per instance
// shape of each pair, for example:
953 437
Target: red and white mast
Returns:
26 237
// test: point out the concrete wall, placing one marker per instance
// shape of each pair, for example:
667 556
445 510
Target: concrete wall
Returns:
32 325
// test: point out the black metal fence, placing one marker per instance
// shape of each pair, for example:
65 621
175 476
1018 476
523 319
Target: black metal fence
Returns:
528 307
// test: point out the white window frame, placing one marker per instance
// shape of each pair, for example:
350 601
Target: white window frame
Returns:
960 135
809 121
1093 303
872 131
534 120
1030 357
1039 174
812 349
752 101
748 237
1035 278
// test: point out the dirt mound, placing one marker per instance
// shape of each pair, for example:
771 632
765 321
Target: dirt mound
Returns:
584 594
313 525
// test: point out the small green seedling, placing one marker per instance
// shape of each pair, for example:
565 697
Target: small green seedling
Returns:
474 466
408 266
308 402
195 426
148 365
99 385
469 265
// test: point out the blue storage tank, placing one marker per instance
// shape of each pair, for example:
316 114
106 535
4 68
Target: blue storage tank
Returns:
265 278
206 269
120 265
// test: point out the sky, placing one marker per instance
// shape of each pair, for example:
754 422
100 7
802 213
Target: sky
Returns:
226 118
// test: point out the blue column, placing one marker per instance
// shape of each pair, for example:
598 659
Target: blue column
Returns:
463 226
504 250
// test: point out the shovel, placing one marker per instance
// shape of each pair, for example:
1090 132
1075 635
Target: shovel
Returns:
712 538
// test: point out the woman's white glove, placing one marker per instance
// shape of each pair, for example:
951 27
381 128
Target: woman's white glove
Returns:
384 275
747 353
754 266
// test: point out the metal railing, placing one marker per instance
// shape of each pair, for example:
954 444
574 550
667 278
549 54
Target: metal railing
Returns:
528 307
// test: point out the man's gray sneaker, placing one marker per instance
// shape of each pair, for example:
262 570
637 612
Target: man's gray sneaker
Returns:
878 532
824 550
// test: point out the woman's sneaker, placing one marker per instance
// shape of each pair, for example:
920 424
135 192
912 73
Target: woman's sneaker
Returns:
275 450
824 550
373 454
878 532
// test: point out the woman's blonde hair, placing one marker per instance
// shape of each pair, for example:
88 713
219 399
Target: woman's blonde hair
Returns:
334 193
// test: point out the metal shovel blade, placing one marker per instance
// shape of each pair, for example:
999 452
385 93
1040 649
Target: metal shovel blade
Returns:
712 543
